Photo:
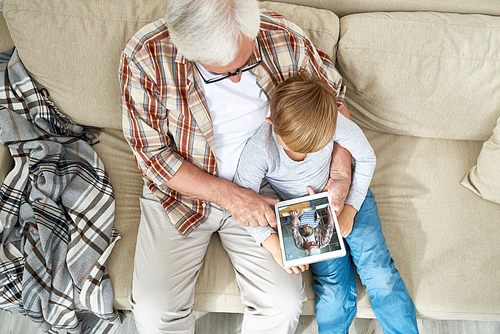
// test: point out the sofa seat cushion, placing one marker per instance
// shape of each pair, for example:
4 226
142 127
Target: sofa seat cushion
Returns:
484 178
443 238
127 185
422 74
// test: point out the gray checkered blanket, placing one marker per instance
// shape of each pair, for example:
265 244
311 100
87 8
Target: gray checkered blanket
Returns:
56 214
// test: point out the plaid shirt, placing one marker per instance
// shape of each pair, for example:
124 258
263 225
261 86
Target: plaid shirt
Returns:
164 111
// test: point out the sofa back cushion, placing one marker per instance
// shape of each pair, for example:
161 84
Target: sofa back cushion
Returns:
5 40
422 74
345 7
73 48
321 26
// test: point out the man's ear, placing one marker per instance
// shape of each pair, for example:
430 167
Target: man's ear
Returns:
269 120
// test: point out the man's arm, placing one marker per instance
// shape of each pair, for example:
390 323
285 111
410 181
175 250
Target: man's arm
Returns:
247 207
340 173
340 168
144 117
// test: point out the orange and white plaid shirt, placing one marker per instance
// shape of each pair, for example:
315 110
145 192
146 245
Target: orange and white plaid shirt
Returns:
164 111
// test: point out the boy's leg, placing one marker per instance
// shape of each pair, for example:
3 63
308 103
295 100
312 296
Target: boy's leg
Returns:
273 298
335 287
389 298
165 270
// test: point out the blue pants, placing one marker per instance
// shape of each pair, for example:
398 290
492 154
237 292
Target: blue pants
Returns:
335 283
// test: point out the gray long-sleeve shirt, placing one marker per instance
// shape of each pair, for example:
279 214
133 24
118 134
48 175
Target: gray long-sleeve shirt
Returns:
263 157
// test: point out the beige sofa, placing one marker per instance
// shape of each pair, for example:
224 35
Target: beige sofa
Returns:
423 81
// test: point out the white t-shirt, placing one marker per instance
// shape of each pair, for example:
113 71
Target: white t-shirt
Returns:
237 111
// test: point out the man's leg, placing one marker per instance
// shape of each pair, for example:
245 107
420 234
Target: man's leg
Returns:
273 298
165 270
389 298
335 287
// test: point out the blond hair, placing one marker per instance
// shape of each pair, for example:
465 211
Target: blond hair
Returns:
304 112
306 230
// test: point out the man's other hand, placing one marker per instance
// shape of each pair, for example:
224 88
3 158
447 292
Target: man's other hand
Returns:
251 209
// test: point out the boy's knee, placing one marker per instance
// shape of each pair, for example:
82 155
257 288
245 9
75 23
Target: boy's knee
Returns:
335 308
382 283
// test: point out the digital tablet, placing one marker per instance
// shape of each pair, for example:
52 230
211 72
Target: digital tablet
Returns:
308 230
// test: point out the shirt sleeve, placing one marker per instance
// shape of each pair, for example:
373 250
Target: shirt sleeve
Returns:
298 239
352 138
326 236
251 170
143 118
261 233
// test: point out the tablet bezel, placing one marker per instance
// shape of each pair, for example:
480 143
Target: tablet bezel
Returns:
287 263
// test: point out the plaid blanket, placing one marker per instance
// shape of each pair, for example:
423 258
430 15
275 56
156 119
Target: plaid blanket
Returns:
56 214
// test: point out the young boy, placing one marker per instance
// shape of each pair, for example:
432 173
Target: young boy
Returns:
292 151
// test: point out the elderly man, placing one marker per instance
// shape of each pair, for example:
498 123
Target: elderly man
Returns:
194 88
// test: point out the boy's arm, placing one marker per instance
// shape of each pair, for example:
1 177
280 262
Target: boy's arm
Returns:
272 244
339 182
260 233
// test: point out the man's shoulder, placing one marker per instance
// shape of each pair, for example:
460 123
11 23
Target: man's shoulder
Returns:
153 32
272 21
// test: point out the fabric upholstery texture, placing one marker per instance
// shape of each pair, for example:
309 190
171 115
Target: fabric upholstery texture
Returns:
407 72
5 40
90 33
443 238
484 178
346 7
411 77
321 26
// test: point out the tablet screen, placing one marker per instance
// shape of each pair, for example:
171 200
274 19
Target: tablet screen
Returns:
308 230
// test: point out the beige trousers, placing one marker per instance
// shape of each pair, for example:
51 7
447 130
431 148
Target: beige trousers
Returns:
167 265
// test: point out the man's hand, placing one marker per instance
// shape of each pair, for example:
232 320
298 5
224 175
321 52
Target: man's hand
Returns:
337 189
340 177
346 220
272 244
251 209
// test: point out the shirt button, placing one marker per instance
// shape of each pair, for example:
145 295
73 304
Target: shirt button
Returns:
214 173
204 205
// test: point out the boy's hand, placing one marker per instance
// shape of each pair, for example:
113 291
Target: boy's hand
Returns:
295 216
272 244
346 220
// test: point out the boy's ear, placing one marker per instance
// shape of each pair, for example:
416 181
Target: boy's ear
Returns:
269 120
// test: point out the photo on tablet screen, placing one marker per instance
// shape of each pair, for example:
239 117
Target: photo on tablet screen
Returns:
308 230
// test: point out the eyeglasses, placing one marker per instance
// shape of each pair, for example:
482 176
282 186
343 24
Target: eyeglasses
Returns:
238 71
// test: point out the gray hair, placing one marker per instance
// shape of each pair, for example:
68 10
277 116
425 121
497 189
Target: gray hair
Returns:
209 31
